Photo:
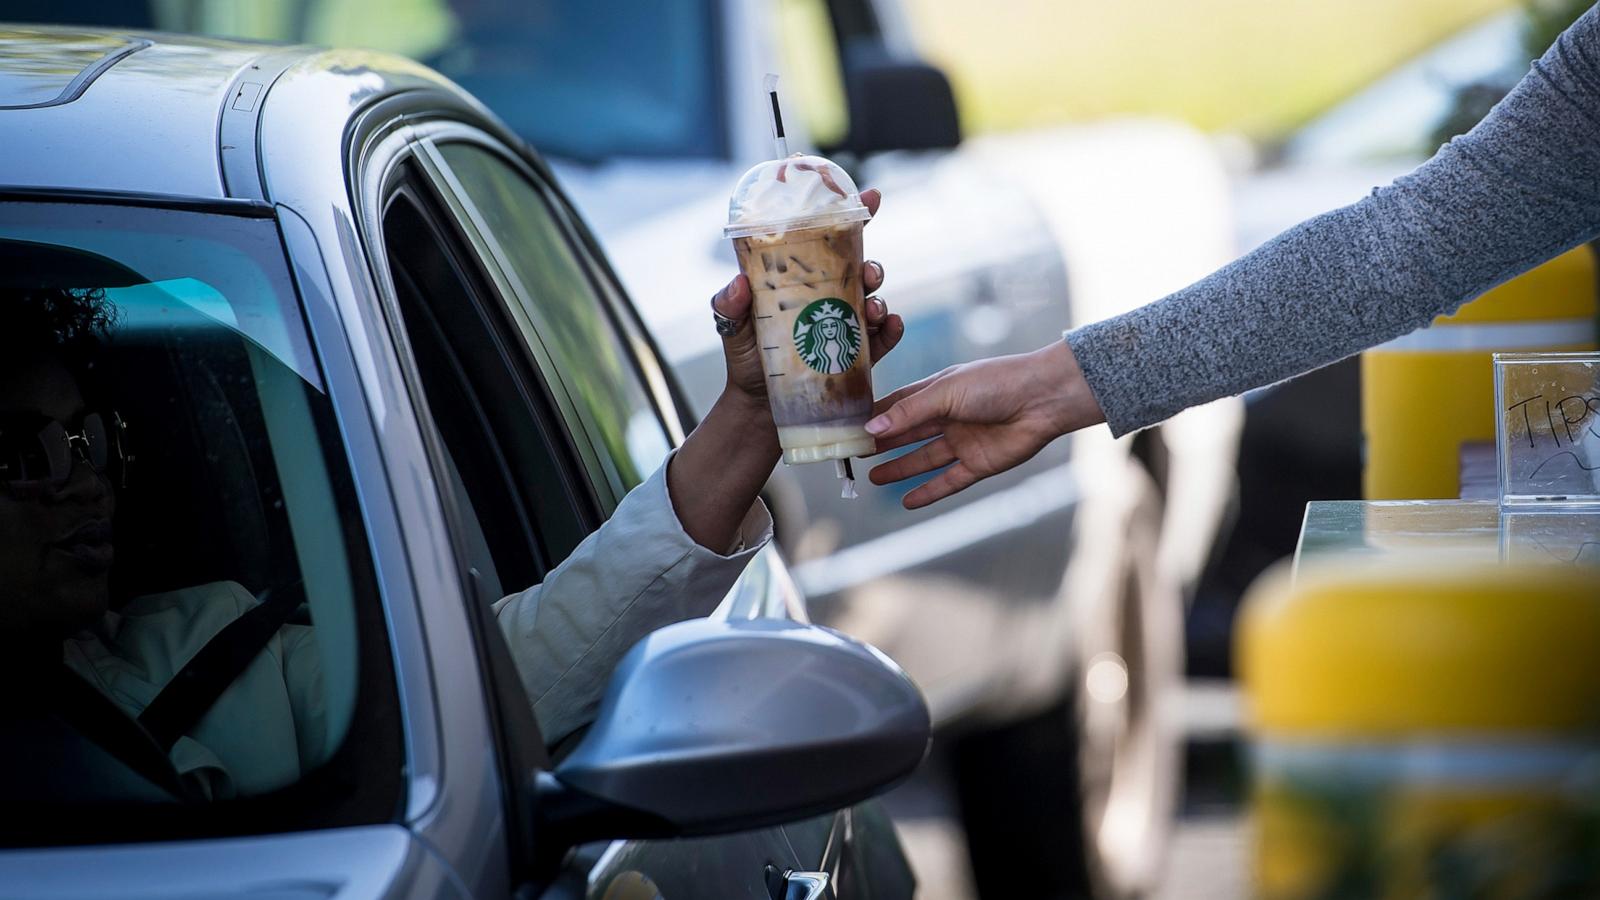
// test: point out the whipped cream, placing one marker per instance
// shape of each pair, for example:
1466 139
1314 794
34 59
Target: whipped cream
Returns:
791 193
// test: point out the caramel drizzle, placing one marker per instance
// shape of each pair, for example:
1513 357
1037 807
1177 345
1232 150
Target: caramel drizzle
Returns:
822 172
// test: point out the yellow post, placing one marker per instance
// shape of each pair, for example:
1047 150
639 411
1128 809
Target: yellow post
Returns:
1426 394
1425 731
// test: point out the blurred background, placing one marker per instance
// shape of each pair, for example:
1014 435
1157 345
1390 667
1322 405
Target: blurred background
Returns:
1045 163
1309 105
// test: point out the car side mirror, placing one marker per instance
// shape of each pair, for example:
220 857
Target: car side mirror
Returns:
711 727
898 106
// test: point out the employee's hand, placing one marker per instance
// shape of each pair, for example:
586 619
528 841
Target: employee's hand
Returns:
985 417
742 353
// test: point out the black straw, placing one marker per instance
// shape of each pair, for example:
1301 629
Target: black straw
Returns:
777 115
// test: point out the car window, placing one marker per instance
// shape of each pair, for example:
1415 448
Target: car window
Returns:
170 465
557 293
505 455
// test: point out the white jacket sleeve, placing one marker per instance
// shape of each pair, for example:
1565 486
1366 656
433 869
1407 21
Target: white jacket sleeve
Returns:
637 572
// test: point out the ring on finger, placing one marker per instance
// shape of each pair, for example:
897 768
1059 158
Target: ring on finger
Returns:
725 326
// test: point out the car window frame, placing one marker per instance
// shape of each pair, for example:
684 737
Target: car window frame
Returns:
379 187
637 354
551 538
492 258
594 300
519 746
589 508
647 357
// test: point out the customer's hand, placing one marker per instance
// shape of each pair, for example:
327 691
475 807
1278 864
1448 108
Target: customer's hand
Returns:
723 464
985 417
747 383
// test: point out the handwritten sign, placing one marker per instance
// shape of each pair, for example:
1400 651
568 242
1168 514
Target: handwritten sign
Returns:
1548 438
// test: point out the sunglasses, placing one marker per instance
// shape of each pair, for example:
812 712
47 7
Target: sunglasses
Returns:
37 451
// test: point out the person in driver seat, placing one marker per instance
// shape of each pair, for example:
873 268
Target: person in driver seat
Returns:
140 683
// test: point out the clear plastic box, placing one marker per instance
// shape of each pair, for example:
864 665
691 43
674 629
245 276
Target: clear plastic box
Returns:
1547 434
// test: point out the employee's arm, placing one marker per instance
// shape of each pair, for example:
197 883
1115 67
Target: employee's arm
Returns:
1521 187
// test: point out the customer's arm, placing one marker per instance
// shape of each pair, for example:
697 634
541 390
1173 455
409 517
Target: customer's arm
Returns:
675 545
639 571
1520 188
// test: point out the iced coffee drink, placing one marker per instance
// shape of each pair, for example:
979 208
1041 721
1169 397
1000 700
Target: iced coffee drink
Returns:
796 227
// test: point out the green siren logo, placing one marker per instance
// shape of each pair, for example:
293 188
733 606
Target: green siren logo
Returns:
827 335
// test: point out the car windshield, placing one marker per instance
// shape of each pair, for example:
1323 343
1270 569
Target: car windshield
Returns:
591 80
576 79
172 482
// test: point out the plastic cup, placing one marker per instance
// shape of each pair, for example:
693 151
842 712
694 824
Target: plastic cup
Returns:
796 227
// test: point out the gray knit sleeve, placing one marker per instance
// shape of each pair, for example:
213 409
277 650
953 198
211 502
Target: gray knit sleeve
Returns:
1520 188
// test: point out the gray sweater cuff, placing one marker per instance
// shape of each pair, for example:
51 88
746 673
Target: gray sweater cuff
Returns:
1097 348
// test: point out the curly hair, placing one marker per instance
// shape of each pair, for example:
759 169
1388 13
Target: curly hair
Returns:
74 322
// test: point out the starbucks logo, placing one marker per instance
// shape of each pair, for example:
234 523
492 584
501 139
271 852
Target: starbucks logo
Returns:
827 335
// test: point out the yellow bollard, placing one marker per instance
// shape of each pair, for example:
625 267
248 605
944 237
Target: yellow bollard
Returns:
1426 394
1428 731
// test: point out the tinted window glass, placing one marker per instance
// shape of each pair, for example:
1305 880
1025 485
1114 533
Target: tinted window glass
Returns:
169 463
555 289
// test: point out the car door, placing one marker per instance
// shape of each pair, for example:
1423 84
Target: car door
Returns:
563 333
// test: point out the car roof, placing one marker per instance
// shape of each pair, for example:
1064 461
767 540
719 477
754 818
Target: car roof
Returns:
109 111
90 110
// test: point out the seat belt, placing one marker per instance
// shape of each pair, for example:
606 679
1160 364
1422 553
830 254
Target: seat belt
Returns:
94 716
191 693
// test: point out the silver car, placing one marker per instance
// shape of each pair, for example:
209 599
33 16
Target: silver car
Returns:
368 373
